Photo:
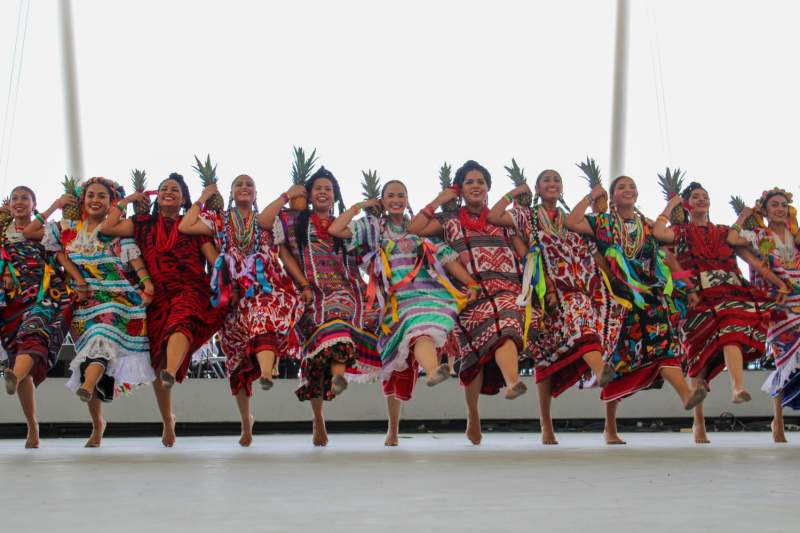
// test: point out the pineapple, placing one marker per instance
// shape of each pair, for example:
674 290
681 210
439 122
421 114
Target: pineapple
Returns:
592 176
71 212
5 212
517 175
302 167
671 183
208 176
738 206
371 189
139 185
446 181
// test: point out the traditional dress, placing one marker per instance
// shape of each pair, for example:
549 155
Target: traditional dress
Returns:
109 327
730 312
783 336
418 300
182 299
35 315
648 341
486 324
335 327
587 317
268 307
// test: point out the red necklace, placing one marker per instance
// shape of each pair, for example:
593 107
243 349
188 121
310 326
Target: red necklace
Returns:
473 223
321 225
707 244
165 243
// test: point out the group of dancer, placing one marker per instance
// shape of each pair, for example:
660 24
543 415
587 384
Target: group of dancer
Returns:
611 300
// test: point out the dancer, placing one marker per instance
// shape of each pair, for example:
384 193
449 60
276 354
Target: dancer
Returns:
648 349
779 243
180 319
336 338
35 309
419 302
248 280
108 325
582 321
727 319
490 330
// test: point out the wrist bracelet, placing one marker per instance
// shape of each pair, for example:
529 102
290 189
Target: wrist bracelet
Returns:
736 227
662 215
476 286
589 197
144 278
509 197
38 216
357 207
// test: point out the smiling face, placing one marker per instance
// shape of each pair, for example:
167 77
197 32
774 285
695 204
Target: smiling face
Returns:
549 186
395 198
624 193
170 195
777 209
97 200
475 190
322 194
22 203
244 190
698 202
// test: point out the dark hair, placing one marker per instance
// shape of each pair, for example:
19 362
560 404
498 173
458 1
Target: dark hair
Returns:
461 173
112 194
27 190
614 184
301 225
230 198
560 198
542 173
390 182
693 186
187 200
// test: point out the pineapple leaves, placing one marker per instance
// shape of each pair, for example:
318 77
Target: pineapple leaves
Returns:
591 172
302 166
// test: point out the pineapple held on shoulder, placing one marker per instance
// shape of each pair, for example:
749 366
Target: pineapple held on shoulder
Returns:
517 176
208 176
71 211
139 183
671 182
738 206
5 213
371 190
446 181
302 168
591 174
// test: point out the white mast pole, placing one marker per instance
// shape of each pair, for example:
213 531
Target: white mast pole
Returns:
620 91
70 79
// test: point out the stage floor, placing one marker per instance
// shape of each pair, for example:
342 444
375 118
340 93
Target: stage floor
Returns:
433 482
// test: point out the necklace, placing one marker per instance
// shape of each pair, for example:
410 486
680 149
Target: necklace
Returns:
708 244
321 225
164 242
553 224
785 246
244 229
468 221
629 234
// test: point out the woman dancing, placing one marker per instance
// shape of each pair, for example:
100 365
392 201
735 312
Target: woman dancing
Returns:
490 331
180 319
35 308
419 302
248 280
583 320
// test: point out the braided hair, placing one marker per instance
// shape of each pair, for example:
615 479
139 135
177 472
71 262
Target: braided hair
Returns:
187 199
301 225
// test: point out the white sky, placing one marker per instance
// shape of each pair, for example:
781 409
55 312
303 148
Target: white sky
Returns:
404 86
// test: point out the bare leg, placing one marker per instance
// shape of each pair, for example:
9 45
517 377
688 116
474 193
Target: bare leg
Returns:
610 430
778 434
690 398
601 369
243 403
23 364
472 393
734 360
507 359
338 381
27 399
320 435
91 376
451 363
544 389
426 356
98 422
266 362
393 407
164 401
177 349
699 424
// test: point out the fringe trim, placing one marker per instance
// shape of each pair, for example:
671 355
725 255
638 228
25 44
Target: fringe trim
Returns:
779 377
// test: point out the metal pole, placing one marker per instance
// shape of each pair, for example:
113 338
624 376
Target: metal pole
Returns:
72 117
620 92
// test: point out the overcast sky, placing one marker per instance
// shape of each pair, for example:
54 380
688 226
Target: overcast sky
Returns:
403 86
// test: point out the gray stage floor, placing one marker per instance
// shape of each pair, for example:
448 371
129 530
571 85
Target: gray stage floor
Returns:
435 482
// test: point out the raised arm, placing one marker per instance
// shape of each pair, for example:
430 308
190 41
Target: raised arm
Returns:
339 227
116 226
35 229
266 218
660 229
191 224
576 220
425 223
734 236
498 214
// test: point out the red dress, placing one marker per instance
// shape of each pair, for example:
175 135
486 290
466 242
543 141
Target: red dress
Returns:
182 299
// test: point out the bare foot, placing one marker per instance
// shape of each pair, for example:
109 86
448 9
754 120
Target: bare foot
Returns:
391 439
778 435
338 385
247 434
96 438
32 441
168 435
700 436
265 382
10 381
613 438
320 433
474 430
516 390
741 396
695 398
549 437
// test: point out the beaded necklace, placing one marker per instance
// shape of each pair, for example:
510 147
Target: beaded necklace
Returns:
321 226
164 242
557 227
631 242
244 230
471 222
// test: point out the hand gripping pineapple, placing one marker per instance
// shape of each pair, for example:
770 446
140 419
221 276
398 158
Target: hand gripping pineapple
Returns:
592 176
